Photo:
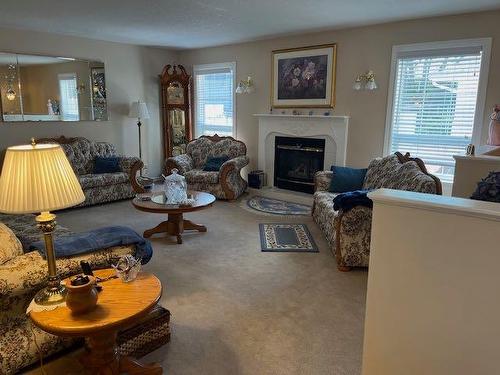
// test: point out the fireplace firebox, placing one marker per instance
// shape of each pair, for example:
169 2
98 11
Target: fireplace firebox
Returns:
296 161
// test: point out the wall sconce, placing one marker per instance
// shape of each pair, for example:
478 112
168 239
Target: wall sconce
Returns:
245 86
365 81
11 94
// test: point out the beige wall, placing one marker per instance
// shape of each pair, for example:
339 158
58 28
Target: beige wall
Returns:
131 74
359 49
432 303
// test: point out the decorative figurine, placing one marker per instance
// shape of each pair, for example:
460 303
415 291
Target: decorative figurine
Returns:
127 268
471 150
494 131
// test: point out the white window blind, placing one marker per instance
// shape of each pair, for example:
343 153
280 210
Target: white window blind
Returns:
214 99
434 105
69 97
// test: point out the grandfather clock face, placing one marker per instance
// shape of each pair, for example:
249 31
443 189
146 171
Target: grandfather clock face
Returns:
175 93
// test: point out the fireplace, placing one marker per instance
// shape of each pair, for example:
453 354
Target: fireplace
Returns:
296 160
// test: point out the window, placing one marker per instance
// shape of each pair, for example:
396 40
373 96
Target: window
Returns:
69 97
436 101
214 99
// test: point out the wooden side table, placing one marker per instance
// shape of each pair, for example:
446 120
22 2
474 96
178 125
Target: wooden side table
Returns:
120 305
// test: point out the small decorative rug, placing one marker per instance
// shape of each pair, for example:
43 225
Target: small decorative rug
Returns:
286 238
271 206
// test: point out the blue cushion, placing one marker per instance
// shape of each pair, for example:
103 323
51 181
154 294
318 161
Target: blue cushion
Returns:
346 179
106 165
213 164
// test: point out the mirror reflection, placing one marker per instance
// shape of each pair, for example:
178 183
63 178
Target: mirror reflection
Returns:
44 88
179 140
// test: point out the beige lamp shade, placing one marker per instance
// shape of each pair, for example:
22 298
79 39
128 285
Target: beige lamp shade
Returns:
139 110
38 178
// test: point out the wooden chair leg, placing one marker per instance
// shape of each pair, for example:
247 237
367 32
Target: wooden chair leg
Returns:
343 268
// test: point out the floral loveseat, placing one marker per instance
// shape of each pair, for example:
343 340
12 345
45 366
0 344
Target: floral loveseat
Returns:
227 183
20 278
348 233
103 187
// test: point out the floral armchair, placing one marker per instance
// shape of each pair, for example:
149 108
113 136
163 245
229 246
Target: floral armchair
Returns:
227 183
348 233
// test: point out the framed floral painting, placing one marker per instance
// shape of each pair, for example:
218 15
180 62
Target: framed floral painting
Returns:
304 77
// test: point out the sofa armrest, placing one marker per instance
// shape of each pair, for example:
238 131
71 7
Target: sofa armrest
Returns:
23 276
128 162
322 180
236 163
353 230
182 163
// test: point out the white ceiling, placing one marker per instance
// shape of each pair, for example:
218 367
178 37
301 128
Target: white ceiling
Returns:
203 23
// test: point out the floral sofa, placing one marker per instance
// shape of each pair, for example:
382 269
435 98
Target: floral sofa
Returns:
348 233
227 183
20 278
98 188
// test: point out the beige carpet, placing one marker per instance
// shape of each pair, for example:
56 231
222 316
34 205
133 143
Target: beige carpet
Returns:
237 310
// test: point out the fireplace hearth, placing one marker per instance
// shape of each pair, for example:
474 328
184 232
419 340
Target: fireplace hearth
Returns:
296 161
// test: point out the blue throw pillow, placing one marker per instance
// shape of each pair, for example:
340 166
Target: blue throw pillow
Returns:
346 179
214 163
106 165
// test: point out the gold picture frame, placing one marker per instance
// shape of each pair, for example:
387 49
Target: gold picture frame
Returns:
304 77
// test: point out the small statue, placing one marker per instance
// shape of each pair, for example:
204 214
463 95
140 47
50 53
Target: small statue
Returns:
50 109
494 131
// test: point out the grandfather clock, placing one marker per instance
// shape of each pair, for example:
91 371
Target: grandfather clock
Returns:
176 109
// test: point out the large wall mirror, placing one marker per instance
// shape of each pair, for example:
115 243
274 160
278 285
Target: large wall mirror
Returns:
45 88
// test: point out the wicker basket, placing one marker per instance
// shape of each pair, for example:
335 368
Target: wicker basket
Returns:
149 334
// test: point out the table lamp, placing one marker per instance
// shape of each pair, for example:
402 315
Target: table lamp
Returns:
139 110
38 178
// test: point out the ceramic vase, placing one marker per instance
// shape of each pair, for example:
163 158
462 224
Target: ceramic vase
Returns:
81 298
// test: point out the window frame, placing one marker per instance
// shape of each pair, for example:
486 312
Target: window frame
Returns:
431 47
207 67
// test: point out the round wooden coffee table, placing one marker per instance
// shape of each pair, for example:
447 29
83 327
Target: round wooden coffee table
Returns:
119 306
175 224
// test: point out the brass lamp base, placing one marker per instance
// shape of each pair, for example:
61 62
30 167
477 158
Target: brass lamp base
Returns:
54 292
51 295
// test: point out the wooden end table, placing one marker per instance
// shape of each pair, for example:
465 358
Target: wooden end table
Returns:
119 306
175 224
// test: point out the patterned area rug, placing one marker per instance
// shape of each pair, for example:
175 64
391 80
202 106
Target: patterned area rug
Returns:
276 206
286 238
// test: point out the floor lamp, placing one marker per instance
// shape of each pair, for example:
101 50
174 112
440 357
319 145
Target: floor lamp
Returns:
139 110
38 178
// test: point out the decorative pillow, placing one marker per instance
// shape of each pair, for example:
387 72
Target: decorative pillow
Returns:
214 163
10 246
346 179
106 165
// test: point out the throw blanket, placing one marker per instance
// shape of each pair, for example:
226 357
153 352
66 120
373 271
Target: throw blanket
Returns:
98 239
351 199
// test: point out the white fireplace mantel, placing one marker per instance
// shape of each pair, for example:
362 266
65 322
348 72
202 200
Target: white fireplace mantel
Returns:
333 129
